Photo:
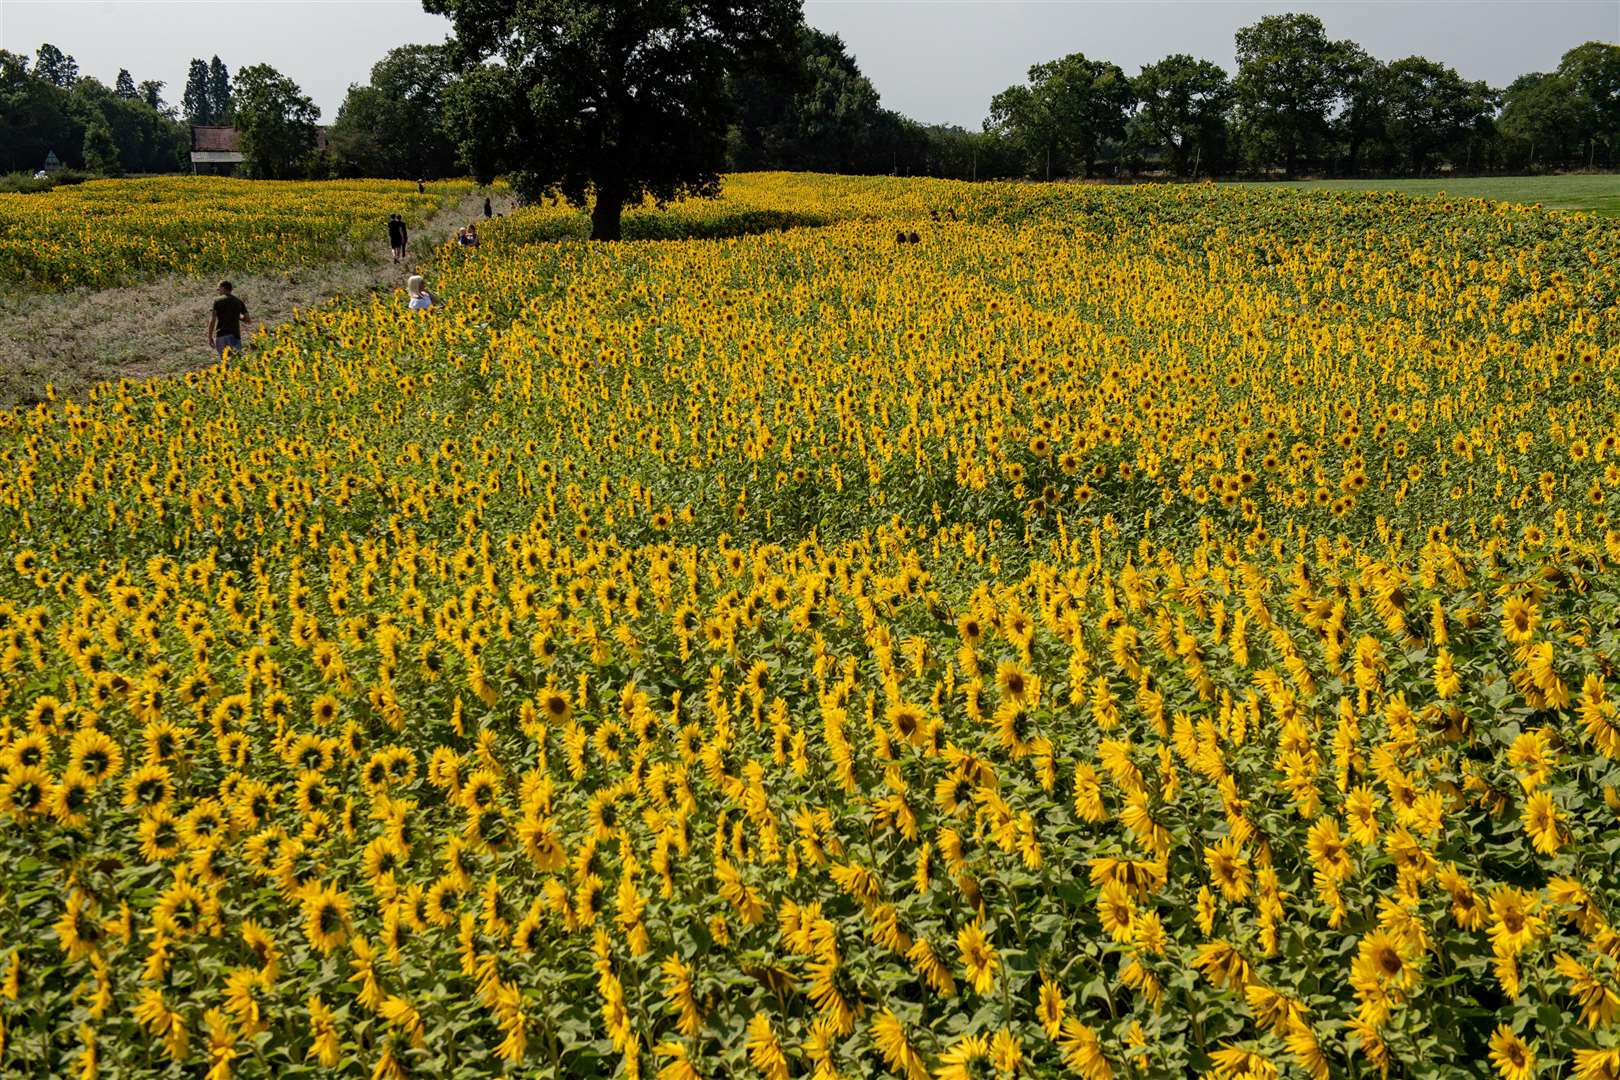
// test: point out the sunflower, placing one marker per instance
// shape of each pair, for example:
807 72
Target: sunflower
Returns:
71 799
1052 1007
95 754
765 1051
26 791
963 1061
1514 1058
1597 1064
326 1045
245 987
1082 1051
555 706
440 902
907 722
163 740
159 835
540 841
1541 818
1016 684
78 931
978 956
183 909
1228 869
1514 922
149 788
47 714
326 917
1115 910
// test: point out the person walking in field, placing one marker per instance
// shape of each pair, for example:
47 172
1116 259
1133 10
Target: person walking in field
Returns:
225 321
397 236
489 208
421 188
420 298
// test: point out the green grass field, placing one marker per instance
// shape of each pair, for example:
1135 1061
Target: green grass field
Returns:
1599 194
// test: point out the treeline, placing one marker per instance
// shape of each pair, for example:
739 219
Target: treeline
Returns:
47 107
1297 102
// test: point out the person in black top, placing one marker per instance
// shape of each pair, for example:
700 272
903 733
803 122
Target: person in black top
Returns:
489 210
421 188
225 322
397 236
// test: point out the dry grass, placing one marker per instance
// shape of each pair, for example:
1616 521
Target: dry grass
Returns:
72 340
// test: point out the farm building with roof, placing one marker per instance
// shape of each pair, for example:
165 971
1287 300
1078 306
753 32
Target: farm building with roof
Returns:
217 150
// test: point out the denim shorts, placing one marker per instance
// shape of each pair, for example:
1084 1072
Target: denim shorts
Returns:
221 341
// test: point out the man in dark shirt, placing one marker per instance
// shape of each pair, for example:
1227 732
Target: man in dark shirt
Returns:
225 321
397 236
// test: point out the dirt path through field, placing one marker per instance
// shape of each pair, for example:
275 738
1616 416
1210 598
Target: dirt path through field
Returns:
71 340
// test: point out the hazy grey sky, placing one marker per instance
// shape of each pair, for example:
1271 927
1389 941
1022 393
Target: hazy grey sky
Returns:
936 60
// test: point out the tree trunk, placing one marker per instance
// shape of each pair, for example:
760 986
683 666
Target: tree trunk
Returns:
606 215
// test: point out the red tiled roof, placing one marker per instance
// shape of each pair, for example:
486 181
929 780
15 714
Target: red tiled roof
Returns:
226 140
219 139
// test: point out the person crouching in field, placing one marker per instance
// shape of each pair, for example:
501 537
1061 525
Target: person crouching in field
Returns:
397 236
420 298
225 321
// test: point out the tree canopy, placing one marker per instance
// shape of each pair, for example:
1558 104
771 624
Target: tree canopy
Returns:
1430 111
86 124
1065 113
276 122
818 112
1183 104
607 102
583 99
394 125
53 66
1285 85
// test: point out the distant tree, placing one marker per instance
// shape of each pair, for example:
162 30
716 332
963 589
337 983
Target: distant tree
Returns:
276 121
361 135
151 92
13 68
55 67
1593 69
124 86
34 119
820 113
1284 86
393 127
142 139
1542 118
1431 112
219 92
195 102
100 151
603 101
1065 114
1019 117
1183 105
1359 127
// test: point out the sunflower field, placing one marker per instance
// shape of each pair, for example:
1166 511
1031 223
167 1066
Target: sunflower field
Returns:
114 232
1138 632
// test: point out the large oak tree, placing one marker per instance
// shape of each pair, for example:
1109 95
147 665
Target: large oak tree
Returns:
615 102
1285 86
1065 114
